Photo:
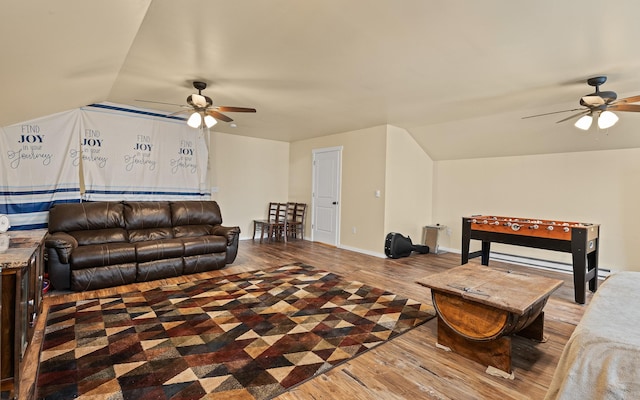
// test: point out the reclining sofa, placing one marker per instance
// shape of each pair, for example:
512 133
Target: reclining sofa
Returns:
93 245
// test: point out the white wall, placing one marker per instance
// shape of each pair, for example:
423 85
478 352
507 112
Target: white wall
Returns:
408 185
363 165
248 173
383 158
597 187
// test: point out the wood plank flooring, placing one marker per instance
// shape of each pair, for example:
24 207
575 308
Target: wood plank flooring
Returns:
409 366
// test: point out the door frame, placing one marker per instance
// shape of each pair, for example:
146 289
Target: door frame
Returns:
338 185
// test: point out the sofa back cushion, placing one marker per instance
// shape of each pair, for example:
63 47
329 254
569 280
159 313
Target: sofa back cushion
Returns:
191 231
195 213
147 214
68 217
142 235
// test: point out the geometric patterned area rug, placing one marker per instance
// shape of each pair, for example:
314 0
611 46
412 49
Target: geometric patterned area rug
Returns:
250 335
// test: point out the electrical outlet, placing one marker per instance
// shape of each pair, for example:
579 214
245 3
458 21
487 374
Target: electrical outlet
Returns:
354 230
449 231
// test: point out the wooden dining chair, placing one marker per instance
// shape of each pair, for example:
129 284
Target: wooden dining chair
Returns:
275 225
291 214
291 211
280 227
264 224
296 223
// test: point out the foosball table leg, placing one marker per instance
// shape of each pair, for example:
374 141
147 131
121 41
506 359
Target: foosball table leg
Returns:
585 264
486 249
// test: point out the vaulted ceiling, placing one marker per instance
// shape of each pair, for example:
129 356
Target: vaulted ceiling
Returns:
458 75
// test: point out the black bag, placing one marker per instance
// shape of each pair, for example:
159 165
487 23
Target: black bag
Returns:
396 246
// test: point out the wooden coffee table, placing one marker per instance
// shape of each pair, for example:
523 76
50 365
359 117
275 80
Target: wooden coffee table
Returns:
479 308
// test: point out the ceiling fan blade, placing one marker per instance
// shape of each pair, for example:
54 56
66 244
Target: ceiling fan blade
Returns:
624 107
219 116
179 112
633 99
160 102
234 109
585 112
551 113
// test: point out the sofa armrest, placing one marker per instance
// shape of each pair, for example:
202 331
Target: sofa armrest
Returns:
233 238
59 247
230 232
63 243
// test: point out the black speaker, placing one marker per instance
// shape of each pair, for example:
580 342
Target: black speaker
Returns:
396 246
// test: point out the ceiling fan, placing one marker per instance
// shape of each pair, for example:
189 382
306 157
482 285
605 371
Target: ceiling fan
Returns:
598 105
202 109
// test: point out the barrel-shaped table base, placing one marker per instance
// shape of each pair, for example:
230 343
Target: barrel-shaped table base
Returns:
481 332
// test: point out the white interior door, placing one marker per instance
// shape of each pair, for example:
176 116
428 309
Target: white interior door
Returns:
325 225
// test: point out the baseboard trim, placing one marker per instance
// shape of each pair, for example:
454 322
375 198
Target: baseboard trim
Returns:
358 250
343 247
534 262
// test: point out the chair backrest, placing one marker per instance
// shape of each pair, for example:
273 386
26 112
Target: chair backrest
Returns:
282 212
300 211
273 212
291 211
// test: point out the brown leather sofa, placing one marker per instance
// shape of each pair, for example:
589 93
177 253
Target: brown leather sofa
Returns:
94 245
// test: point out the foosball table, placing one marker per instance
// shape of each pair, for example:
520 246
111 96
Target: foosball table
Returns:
578 238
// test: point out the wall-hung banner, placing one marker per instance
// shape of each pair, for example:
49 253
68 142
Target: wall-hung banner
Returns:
129 155
39 164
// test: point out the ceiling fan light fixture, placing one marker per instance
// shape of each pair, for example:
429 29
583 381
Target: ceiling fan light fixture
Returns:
584 122
195 120
592 100
209 121
607 119
199 100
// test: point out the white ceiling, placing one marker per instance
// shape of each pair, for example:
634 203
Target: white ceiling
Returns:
459 75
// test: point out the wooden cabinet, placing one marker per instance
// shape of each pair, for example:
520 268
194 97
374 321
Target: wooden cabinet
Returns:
22 277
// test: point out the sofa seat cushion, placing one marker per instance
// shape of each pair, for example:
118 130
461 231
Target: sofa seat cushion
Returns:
191 230
99 255
143 235
113 235
159 249
204 245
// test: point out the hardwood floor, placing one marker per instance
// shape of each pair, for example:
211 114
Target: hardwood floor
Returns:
407 367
